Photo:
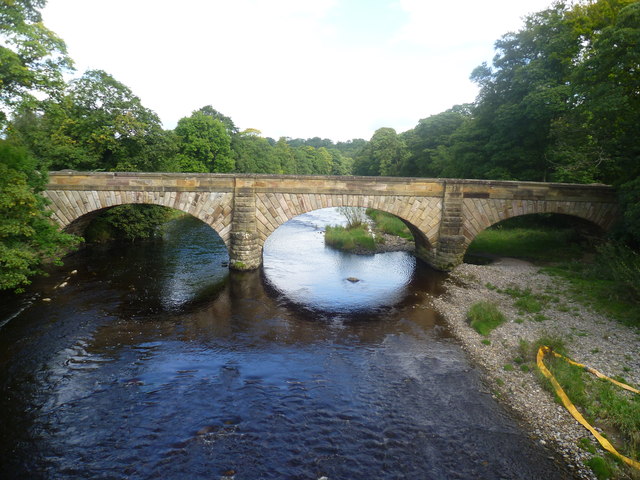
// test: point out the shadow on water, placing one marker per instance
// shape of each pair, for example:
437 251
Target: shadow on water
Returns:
156 362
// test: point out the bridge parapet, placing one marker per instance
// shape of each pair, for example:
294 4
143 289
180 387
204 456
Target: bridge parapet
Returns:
443 214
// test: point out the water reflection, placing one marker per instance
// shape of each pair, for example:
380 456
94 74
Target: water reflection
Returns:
121 377
321 282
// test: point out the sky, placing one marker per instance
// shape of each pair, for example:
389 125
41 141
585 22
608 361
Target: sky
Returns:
337 69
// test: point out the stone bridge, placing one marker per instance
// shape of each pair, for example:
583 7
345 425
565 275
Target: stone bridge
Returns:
444 215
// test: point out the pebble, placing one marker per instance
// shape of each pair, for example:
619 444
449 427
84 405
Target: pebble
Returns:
589 338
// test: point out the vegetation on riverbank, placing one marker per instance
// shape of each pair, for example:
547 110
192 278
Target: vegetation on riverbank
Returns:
349 239
484 317
27 237
602 274
612 409
390 224
129 223
365 230
519 290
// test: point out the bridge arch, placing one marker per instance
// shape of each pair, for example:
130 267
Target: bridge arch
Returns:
444 215
421 215
480 214
73 210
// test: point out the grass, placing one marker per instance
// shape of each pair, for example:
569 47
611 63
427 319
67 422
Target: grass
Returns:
600 468
528 304
390 224
603 404
537 244
605 278
606 406
349 239
589 284
484 317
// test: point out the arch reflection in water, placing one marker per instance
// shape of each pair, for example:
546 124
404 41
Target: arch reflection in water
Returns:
240 386
299 266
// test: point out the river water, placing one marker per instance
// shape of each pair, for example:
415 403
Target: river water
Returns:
155 362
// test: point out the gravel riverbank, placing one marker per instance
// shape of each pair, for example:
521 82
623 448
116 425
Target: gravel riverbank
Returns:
590 338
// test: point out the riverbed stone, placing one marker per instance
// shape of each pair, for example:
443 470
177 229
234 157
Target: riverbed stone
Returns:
589 337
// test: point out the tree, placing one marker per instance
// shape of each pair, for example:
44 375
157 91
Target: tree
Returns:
204 140
383 155
228 123
322 162
304 160
27 236
253 153
285 157
32 58
99 124
429 140
606 87
524 92
340 164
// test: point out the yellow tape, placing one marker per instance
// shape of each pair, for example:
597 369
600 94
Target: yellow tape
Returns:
572 409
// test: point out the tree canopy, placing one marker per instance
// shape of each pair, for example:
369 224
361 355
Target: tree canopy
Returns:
32 57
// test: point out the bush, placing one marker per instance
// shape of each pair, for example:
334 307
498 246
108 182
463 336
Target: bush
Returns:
128 222
623 266
484 317
27 236
355 216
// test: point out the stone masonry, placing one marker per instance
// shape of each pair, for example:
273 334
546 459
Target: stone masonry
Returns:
444 215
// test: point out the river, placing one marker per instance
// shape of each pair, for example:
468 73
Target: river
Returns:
153 361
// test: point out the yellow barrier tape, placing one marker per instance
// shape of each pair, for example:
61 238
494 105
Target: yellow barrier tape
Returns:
572 409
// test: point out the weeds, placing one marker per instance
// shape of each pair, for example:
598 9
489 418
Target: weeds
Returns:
390 224
601 403
348 239
540 244
484 317
608 280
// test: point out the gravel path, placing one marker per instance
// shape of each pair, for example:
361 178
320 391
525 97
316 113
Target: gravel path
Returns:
590 338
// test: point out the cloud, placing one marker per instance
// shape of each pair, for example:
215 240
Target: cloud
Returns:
329 68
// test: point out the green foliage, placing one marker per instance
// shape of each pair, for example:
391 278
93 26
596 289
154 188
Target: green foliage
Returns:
548 244
285 157
254 154
32 58
605 283
600 467
385 153
484 317
629 226
27 236
349 239
601 401
390 224
528 351
528 304
429 141
203 140
623 267
132 222
356 217
99 124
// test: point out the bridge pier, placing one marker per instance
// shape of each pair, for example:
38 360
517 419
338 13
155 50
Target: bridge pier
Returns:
450 248
444 214
245 252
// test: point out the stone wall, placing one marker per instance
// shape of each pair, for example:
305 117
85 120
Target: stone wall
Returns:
444 215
